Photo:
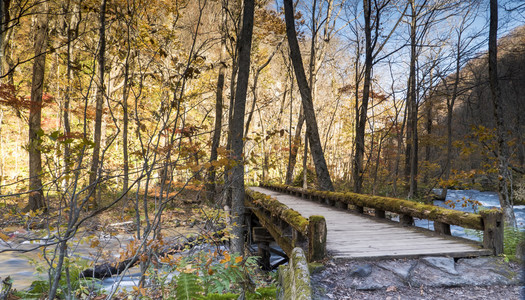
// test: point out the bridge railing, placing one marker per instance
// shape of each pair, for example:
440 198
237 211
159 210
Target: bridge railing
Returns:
489 221
289 228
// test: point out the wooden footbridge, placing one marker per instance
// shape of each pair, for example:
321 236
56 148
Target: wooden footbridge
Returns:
355 226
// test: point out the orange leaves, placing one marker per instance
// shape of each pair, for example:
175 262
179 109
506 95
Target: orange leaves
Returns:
464 202
226 259
139 290
4 237
94 243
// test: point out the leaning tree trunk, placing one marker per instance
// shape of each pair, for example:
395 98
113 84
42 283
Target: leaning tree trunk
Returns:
36 196
505 175
323 175
95 163
237 128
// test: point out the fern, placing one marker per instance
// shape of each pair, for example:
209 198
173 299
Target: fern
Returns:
188 287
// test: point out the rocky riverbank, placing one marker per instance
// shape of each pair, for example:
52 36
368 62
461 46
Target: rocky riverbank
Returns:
424 278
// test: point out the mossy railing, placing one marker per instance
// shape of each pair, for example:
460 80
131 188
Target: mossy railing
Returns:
489 221
294 278
287 227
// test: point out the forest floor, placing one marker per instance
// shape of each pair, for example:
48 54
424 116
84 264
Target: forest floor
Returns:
498 292
105 237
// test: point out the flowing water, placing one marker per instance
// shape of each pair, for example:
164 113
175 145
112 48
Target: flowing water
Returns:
461 198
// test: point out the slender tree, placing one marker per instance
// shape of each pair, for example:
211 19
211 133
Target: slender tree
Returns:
411 156
101 60
36 196
505 175
218 105
237 128
4 24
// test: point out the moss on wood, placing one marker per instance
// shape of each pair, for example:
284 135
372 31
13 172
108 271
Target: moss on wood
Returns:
400 206
280 210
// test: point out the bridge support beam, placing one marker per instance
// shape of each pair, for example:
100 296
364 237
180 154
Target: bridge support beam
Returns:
406 220
379 213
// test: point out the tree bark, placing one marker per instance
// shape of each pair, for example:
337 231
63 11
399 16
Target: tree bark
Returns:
72 34
450 109
245 44
125 117
412 140
95 163
357 170
505 175
36 196
218 109
294 149
323 175
4 24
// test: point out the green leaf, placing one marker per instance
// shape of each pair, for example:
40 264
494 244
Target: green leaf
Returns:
188 286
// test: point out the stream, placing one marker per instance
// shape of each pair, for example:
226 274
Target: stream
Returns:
460 197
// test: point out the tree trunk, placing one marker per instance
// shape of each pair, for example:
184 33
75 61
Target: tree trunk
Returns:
4 24
125 117
399 150
218 109
412 141
95 163
36 196
357 170
72 34
294 149
428 147
450 109
237 127
505 175
323 175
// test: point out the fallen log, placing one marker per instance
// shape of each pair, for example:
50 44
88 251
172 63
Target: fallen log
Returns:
108 269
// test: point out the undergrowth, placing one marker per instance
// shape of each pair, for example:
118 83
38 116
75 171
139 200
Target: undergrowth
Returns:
512 238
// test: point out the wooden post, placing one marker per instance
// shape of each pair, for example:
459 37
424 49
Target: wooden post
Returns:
340 204
380 213
316 238
493 232
406 220
442 228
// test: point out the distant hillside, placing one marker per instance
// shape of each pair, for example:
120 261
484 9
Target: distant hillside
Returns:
473 117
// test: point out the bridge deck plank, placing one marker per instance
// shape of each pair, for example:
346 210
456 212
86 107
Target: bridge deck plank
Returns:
353 235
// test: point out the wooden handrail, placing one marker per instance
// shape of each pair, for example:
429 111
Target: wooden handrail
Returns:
276 217
489 221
